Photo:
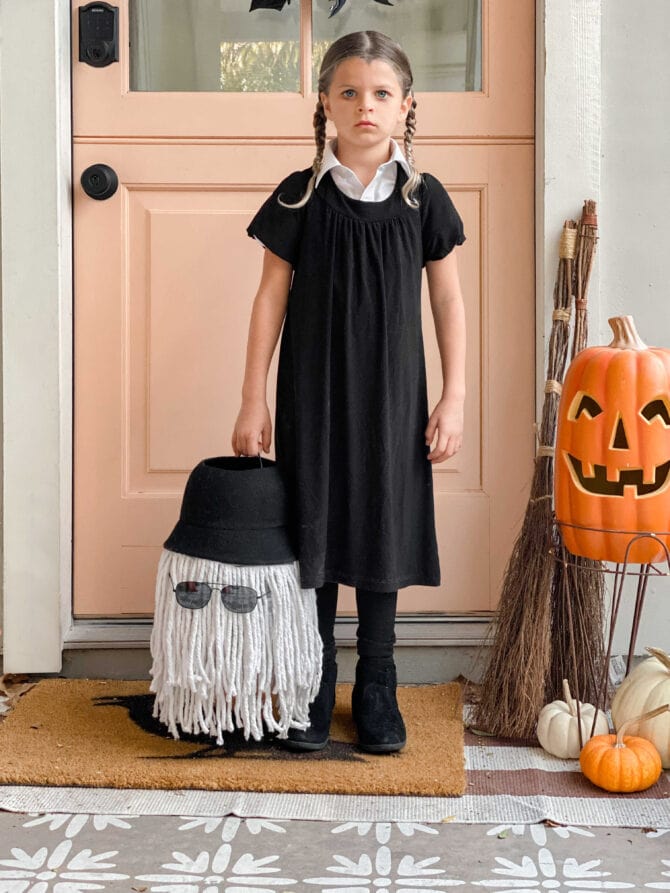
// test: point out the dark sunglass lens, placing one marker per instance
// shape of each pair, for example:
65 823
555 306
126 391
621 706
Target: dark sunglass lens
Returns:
240 599
193 595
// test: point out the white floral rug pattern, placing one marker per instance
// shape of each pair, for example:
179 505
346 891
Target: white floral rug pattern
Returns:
72 852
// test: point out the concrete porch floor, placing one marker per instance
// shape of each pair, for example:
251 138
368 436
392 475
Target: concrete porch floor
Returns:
70 852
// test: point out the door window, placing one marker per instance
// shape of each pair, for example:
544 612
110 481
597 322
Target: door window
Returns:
224 46
442 40
213 45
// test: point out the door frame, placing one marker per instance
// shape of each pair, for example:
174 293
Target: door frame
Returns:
37 310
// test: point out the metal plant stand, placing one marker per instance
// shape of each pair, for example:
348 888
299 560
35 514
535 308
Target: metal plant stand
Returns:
620 571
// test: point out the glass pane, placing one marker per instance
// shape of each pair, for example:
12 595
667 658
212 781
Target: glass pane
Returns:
441 37
213 46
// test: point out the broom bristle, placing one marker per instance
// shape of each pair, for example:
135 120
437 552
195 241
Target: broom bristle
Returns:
515 680
578 597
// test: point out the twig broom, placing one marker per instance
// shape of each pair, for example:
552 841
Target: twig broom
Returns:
578 585
514 684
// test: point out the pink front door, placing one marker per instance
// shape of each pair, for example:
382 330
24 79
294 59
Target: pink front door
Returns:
165 274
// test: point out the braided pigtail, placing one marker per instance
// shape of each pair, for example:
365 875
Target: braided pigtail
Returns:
414 180
319 121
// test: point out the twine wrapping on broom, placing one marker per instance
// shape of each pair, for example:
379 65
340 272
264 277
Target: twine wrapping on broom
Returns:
588 239
514 683
215 670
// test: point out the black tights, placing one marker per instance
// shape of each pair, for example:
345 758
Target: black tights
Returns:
375 635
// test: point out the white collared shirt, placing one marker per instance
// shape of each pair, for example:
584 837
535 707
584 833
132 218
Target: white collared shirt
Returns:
380 187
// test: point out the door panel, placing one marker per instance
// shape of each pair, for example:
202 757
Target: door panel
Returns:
165 277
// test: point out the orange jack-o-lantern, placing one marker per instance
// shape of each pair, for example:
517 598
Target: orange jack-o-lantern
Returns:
612 460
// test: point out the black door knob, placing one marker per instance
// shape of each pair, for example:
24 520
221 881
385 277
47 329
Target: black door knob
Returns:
99 181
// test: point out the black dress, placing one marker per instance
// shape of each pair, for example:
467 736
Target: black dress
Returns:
352 405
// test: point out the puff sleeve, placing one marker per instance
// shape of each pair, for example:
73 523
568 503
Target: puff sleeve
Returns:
441 224
279 228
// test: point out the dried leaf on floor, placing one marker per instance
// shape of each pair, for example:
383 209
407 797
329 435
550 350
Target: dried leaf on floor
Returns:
480 732
13 685
472 691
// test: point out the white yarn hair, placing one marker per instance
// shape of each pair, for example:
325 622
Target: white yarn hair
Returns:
211 663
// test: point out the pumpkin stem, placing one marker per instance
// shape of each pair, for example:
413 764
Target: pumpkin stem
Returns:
660 656
625 334
629 722
569 700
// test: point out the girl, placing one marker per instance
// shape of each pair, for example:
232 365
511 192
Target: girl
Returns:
345 242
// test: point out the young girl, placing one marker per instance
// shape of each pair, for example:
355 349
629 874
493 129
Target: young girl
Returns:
345 243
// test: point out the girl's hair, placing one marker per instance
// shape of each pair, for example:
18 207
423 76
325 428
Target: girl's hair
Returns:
369 46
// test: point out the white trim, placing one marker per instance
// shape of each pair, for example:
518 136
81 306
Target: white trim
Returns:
567 145
35 169
410 630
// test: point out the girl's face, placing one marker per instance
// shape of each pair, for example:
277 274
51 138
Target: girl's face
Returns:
365 102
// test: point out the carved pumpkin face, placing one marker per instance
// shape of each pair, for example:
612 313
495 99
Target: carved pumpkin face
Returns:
612 460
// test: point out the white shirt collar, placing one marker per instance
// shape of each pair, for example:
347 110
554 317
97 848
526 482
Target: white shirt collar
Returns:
330 161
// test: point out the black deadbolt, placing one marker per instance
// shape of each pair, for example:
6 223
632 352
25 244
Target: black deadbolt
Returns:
98 34
99 181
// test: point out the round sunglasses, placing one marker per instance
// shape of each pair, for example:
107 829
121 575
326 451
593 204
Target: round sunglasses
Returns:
197 594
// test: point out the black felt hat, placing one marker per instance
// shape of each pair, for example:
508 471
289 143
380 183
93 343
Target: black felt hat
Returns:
236 510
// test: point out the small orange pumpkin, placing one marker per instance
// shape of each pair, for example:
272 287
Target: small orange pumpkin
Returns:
612 465
622 763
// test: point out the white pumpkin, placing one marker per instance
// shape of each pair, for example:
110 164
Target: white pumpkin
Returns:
646 687
558 725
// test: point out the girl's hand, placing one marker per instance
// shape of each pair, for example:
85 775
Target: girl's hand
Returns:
253 429
446 421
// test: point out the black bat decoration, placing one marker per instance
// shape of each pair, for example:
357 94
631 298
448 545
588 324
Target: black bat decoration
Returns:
268 4
280 4
338 4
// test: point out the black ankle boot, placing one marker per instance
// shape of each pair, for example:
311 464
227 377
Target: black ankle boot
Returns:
374 707
315 737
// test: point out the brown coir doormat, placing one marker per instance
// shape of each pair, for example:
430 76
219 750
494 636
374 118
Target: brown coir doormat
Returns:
100 733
